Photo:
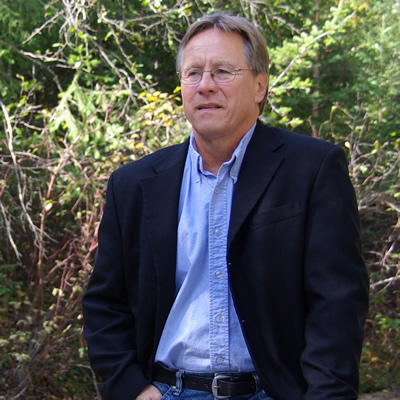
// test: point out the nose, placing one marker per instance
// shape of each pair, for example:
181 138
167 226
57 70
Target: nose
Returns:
207 84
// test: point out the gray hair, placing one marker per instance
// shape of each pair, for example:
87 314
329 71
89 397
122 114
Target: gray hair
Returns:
255 50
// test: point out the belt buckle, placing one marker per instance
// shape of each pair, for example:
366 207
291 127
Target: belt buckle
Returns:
214 386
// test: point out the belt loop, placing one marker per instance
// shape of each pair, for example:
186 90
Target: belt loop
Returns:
178 386
257 380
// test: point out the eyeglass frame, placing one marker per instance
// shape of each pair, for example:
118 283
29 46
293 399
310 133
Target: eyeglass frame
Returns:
201 72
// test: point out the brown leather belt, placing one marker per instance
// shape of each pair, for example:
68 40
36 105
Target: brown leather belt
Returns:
220 385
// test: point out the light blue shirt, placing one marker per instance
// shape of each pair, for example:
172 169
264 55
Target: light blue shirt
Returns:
202 333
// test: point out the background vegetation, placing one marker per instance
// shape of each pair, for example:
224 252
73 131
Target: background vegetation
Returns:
89 85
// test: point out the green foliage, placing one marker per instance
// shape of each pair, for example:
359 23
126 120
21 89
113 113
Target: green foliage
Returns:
86 86
380 361
72 112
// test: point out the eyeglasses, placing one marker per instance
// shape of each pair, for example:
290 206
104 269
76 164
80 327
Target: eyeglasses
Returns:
220 74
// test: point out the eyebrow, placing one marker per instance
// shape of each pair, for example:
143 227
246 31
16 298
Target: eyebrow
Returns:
217 64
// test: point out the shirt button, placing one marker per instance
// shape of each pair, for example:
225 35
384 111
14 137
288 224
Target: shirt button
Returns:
217 191
218 232
218 274
220 360
218 318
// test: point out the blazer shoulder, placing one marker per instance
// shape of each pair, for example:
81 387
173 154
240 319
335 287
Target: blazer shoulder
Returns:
293 145
299 140
151 163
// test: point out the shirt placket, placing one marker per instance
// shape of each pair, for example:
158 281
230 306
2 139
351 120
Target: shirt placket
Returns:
218 277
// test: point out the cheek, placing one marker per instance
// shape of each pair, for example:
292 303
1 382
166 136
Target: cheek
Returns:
187 101
237 95
187 93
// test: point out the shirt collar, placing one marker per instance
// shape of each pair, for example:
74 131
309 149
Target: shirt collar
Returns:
233 165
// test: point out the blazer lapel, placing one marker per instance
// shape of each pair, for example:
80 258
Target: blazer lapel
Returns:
259 166
160 206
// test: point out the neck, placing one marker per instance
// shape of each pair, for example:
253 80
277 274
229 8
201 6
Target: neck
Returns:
215 152
215 149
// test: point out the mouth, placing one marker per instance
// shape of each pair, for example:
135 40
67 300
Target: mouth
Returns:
208 107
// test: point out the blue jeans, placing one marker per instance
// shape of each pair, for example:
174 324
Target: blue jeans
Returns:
174 393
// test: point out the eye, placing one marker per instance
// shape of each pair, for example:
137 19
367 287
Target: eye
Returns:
192 73
220 71
223 73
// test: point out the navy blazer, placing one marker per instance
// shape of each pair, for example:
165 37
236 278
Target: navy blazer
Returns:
298 282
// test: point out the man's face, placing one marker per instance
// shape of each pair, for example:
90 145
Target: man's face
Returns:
221 110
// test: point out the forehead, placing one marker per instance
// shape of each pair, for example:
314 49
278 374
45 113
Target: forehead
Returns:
214 46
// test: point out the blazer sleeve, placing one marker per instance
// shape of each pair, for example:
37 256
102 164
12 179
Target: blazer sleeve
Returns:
335 283
109 326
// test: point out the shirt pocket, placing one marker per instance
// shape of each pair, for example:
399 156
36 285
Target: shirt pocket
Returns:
276 215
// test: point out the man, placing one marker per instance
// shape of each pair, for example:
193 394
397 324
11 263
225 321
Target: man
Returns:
229 265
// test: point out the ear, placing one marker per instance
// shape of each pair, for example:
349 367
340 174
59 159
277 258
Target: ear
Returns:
261 87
